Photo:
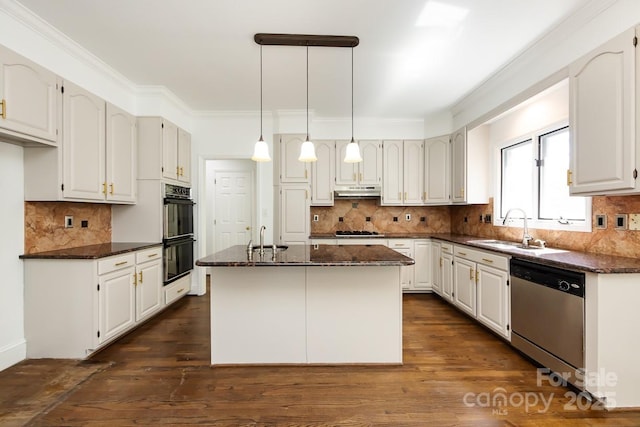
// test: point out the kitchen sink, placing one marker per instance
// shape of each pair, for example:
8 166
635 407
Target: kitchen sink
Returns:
270 247
517 246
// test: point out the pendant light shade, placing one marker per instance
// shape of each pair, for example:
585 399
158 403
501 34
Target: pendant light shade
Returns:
352 154
307 149
261 149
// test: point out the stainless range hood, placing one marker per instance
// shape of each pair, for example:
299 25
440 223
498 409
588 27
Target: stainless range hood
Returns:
357 192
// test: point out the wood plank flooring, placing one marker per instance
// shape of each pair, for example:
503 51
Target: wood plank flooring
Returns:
160 375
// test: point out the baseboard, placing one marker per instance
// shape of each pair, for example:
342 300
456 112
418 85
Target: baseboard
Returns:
12 354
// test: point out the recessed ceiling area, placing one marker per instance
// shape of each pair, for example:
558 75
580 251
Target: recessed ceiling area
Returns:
409 64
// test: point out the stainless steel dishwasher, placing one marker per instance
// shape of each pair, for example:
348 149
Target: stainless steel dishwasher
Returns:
547 317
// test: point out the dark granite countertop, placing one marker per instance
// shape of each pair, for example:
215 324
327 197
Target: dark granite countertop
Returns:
571 260
305 255
92 251
380 236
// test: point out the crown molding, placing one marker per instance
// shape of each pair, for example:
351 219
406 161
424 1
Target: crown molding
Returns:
527 58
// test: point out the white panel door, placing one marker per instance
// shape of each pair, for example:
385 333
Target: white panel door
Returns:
436 171
170 168
83 144
116 302
392 187
323 174
149 295
121 155
459 166
233 208
346 173
493 298
371 166
464 285
603 117
413 172
30 96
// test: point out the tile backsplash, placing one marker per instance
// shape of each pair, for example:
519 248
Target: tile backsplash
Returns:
45 230
367 214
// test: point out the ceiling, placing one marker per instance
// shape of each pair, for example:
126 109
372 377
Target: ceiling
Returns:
203 50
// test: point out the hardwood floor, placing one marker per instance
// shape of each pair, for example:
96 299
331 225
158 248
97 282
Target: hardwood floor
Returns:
160 375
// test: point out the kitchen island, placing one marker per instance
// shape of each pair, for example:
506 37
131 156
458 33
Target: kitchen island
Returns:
320 304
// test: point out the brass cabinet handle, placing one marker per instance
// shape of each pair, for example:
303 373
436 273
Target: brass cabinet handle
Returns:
477 276
140 274
111 188
104 188
4 108
569 176
462 253
135 279
180 290
181 171
152 255
487 260
424 195
405 195
118 264
471 274
440 262
178 170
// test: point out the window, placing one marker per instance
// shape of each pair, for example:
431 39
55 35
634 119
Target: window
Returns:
533 178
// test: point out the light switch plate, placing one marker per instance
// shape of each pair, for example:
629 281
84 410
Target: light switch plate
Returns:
634 221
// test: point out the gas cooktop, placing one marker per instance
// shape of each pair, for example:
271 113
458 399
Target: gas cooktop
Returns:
358 233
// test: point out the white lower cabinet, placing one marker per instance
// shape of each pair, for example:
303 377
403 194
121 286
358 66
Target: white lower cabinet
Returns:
477 282
73 307
416 277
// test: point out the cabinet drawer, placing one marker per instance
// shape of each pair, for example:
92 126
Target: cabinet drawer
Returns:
482 257
400 243
177 289
446 248
114 263
148 255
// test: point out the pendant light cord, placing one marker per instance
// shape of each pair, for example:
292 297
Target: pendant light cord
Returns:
261 139
307 92
352 95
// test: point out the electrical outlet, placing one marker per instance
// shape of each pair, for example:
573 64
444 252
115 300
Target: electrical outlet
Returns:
316 218
621 222
407 217
84 223
487 218
601 221
68 221
634 221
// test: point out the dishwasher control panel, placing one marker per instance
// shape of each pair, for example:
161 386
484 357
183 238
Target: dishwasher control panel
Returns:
556 278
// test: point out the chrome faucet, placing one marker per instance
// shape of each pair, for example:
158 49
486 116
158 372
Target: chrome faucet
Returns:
526 237
261 252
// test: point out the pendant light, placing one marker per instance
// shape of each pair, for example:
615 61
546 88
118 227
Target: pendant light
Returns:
307 149
352 154
261 149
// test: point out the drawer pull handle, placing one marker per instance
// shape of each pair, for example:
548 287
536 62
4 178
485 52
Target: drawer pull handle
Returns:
180 290
152 255
462 253
118 264
487 260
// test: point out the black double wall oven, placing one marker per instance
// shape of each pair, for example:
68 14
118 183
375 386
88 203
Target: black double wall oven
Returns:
178 237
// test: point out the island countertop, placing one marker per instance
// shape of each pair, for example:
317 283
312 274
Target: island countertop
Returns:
307 255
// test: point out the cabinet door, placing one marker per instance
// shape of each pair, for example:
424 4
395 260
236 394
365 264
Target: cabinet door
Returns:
423 276
323 174
346 173
116 301
459 166
436 268
29 95
370 169
464 285
602 117
148 289
413 172
493 299
83 139
294 214
407 272
170 168
184 156
436 172
392 187
447 276
291 169
121 155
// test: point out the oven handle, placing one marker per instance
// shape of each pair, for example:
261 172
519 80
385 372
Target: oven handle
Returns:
174 241
174 201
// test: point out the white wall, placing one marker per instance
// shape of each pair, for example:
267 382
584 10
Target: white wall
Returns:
12 343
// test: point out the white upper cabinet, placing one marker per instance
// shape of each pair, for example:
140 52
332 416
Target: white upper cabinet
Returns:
30 100
367 172
164 151
291 170
402 166
83 143
323 174
470 165
121 155
459 165
293 215
392 187
603 119
436 172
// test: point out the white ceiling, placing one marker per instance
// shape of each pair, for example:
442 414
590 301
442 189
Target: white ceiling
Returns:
203 50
